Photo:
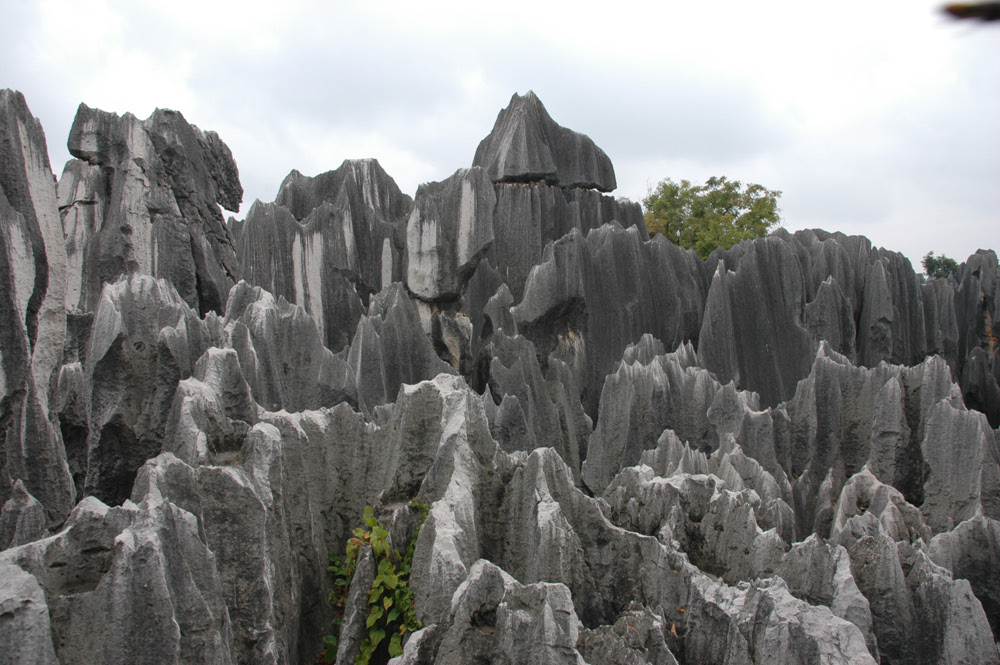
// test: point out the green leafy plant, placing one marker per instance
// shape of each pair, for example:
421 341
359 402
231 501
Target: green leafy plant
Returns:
391 613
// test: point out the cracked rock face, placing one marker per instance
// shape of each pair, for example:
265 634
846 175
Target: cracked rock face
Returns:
783 454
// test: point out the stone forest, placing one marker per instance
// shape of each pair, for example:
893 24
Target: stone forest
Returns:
492 423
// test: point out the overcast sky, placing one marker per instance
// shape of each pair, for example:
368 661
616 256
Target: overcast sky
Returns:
879 118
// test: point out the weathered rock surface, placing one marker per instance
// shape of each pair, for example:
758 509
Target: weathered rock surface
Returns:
448 233
729 627
526 145
328 243
391 348
590 297
32 307
25 631
628 455
144 196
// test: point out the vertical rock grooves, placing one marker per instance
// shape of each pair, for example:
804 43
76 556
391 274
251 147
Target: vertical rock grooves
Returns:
783 454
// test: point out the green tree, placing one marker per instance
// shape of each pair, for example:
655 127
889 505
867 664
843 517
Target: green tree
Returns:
720 213
939 266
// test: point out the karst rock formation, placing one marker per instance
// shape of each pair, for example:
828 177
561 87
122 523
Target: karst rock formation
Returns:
783 454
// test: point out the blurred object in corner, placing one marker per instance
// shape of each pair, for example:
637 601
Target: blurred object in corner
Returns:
983 11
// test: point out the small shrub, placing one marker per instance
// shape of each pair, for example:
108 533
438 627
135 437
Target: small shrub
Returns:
391 613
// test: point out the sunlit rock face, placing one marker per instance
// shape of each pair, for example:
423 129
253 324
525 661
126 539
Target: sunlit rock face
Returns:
783 454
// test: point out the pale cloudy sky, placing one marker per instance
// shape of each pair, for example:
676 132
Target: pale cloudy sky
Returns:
879 117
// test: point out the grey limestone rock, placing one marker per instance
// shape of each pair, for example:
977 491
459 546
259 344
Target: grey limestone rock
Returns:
22 519
24 632
979 384
362 180
844 417
888 300
764 293
920 614
728 625
92 573
971 551
880 577
312 264
537 624
458 350
977 317
353 631
637 638
32 305
639 401
496 619
328 243
829 317
451 335
565 537
391 348
207 423
281 353
526 145
461 483
144 340
941 320
448 233
589 289
144 197
952 626
673 456
864 494
486 303
820 574
960 466
535 410
733 542
528 216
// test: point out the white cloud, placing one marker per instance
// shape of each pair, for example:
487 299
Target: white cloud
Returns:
875 118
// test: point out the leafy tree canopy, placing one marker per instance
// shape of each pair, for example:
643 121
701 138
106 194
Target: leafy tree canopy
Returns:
939 266
720 213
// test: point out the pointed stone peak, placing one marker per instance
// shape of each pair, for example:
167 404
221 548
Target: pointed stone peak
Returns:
527 145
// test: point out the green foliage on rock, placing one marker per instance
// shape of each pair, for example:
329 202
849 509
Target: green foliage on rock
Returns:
720 213
939 266
391 613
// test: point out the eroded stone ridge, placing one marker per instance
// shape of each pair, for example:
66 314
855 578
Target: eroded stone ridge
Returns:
783 454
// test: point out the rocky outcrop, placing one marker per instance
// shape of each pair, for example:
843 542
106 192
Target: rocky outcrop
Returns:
764 294
526 145
585 302
143 341
328 243
281 353
390 348
624 453
144 197
26 630
32 306
448 233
